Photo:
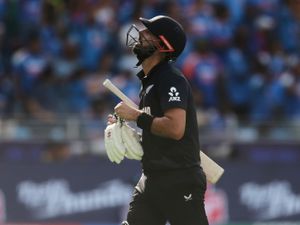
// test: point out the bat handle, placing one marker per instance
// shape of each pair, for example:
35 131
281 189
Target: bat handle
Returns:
109 85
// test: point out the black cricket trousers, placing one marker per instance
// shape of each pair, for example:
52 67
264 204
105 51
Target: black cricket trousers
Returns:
176 197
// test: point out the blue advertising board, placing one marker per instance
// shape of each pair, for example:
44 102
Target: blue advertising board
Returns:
82 192
98 192
259 192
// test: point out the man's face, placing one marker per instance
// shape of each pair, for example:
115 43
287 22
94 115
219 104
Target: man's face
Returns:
142 42
146 38
141 37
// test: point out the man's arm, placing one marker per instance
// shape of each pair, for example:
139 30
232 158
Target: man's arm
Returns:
171 125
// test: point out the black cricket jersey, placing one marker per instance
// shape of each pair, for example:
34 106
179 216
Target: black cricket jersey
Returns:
164 88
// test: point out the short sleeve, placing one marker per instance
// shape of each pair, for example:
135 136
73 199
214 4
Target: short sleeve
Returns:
173 92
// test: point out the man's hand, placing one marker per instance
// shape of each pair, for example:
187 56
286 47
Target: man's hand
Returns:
121 140
111 119
126 112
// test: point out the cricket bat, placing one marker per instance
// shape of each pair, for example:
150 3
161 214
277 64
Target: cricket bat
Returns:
212 170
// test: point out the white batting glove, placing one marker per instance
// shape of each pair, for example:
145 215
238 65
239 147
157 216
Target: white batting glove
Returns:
131 140
114 146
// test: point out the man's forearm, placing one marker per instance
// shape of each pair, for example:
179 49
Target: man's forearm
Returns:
165 127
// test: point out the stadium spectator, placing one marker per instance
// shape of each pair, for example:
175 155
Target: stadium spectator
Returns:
205 71
72 37
29 64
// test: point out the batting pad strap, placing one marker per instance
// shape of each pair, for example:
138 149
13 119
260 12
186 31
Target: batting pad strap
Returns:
144 121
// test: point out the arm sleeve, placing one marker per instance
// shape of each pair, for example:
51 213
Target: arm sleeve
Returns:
173 92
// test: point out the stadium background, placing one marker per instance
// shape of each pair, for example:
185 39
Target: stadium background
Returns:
242 59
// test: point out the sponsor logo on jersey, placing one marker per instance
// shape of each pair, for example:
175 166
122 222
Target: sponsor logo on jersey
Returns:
147 110
174 95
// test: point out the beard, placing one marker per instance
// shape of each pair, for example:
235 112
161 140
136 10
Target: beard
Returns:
142 53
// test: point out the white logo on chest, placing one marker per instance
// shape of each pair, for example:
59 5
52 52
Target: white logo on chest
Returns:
148 89
174 95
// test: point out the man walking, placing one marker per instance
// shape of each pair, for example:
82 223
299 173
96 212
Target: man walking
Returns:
173 184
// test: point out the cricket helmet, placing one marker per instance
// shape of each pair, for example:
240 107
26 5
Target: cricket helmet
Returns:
169 31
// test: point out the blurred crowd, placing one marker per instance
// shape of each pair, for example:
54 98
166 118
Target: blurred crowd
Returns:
242 56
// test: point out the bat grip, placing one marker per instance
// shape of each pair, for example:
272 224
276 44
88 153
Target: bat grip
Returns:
108 84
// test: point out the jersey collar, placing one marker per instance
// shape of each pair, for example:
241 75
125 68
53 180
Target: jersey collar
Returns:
152 72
